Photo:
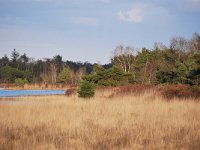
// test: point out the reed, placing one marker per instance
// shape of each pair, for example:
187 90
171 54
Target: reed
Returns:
132 121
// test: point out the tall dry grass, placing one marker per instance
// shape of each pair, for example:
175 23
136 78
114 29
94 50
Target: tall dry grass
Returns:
143 121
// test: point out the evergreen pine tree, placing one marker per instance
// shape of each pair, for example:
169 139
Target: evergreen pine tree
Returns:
87 89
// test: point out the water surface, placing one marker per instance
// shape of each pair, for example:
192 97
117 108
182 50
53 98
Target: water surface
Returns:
17 93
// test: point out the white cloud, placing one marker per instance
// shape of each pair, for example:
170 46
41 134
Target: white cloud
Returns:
85 20
136 14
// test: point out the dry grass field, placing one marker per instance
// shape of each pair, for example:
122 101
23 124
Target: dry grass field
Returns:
144 121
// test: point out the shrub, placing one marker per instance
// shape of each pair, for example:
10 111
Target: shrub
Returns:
20 81
9 74
135 89
87 89
108 77
70 92
180 91
195 90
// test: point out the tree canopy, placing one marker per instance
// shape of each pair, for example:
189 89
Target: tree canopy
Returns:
177 63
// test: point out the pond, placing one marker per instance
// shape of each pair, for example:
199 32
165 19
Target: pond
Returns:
17 93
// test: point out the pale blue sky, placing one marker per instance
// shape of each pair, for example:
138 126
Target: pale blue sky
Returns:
88 30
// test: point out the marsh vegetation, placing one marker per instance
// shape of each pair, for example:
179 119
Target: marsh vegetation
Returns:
107 121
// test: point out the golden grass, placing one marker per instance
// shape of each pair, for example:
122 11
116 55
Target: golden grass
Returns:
123 122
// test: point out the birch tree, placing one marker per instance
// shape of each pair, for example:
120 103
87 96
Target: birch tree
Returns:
123 57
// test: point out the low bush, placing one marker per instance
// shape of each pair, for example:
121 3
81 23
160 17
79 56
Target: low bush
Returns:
167 91
131 89
87 89
195 91
70 92
20 82
135 89
180 91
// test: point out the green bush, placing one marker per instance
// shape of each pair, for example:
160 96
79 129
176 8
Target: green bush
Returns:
108 77
20 81
87 89
9 74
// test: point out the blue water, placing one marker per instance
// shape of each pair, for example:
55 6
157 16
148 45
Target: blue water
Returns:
16 93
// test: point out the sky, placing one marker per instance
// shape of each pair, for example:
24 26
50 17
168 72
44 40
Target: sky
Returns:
89 30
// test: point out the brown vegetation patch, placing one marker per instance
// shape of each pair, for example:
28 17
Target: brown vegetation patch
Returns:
71 92
132 89
180 91
168 92
132 122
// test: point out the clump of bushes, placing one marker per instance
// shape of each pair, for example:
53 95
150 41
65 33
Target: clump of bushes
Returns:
180 91
169 92
20 82
135 89
109 77
87 89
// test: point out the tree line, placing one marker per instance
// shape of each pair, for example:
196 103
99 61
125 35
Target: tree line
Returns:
47 70
177 63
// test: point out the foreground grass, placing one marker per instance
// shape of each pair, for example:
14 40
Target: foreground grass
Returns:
124 122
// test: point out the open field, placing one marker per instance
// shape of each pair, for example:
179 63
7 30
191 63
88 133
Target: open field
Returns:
144 121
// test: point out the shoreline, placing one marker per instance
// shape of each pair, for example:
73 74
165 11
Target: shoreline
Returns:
15 98
4 94
37 86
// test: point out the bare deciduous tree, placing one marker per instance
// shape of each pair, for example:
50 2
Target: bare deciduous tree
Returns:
179 44
195 43
159 46
123 57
